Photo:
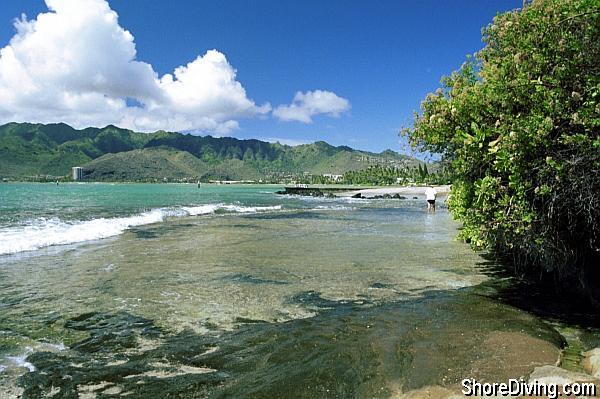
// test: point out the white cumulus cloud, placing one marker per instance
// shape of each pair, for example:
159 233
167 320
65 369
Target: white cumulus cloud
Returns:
76 64
306 105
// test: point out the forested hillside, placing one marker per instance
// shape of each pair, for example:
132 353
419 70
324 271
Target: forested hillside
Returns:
111 153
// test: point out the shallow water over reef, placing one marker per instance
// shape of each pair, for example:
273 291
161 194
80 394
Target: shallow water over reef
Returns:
263 296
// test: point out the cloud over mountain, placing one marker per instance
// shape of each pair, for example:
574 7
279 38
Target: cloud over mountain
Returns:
306 105
76 64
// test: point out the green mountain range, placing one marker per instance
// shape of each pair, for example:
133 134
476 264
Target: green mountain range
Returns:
114 154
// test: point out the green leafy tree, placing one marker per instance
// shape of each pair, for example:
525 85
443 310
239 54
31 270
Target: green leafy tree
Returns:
384 175
518 125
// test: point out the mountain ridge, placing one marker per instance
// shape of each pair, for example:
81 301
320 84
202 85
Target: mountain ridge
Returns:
113 153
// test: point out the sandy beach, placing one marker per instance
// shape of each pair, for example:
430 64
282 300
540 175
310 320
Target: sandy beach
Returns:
412 191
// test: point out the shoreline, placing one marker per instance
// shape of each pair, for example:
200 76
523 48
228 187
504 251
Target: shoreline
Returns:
419 191
392 192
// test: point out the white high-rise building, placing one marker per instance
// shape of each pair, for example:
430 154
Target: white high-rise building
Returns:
77 173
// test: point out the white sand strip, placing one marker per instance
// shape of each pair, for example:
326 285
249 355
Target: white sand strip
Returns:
405 191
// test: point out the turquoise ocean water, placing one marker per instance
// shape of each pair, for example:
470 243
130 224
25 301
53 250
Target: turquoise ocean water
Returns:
233 290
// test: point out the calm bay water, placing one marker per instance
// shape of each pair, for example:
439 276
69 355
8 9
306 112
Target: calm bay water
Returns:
107 289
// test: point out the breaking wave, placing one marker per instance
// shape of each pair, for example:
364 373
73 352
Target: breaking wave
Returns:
40 233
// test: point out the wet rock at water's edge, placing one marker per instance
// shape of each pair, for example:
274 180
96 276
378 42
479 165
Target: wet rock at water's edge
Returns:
555 375
591 362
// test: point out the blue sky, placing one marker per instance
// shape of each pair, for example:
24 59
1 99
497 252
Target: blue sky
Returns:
383 57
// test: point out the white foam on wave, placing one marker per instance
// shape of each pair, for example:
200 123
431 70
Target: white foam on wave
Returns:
21 360
201 209
250 209
309 199
41 233
350 200
212 208
333 208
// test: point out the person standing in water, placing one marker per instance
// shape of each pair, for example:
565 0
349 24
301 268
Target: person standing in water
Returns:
430 194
